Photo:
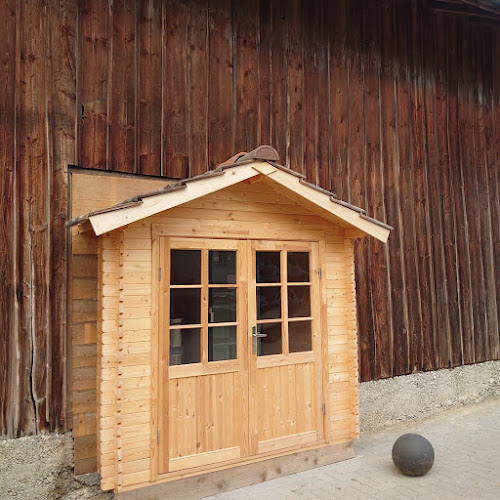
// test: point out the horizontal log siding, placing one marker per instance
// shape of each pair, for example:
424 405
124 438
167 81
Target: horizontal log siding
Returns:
391 105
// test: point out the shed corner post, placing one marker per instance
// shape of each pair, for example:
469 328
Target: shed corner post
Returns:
352 333
108 393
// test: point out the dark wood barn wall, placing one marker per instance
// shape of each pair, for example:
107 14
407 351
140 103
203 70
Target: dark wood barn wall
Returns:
392 106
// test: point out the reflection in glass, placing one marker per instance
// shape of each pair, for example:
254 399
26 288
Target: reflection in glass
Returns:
185 267
299 336
271 344
268 302
221 267
268 267
185 306
297 266
221 305
184 346
221 343
299 302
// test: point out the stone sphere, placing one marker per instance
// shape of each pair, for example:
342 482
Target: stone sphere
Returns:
413 455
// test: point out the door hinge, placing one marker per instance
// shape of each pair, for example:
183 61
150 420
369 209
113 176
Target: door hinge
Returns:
324 408
320 273
159 274
158 436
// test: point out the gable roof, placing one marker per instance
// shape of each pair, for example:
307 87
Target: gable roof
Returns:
282 179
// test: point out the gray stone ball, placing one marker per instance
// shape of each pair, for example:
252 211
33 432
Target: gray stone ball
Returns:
413 455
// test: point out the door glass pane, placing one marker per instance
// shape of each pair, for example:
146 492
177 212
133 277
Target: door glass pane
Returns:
221 343
299 336
221 267
221 305
299 302
185 267
185 306
268 302
184 346
268 267
297 266
271 344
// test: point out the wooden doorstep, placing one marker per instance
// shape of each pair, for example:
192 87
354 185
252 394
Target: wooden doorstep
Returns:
238 475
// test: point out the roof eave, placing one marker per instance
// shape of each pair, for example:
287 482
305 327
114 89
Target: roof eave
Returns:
282 179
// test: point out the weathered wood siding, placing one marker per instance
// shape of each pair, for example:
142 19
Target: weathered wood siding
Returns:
38 61
393 106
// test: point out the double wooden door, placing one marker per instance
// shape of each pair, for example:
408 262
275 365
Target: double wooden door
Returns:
240 347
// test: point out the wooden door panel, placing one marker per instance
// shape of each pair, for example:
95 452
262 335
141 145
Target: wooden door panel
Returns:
288 403
204 387
286 388
205 413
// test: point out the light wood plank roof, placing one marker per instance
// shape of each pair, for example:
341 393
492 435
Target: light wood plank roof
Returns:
282 179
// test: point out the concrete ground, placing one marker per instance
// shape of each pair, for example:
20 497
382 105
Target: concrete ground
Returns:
467 466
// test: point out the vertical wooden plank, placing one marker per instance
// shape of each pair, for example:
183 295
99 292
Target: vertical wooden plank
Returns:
482 49
389 159
355 155
264 68
357 183
210 392
191 416
62 35
149 87
422 206
299 394
122 114
157 256
493 113
231 424
9 333
291 384
339 97
197 77
295 100
437 272
245 80
202 409
34 185
493 214
474 205
94 80
242 379
443 222
278 75
322 124
459 318
377 263
174 85
465 150
315 132
404 147
323 328
165 386
173 421
220 98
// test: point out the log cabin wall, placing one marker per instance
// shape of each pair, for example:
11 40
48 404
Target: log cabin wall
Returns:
90 190
391 104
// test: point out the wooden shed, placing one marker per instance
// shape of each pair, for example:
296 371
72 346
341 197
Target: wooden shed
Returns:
227 333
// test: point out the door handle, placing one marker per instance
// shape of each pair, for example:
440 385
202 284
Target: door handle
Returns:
255 336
